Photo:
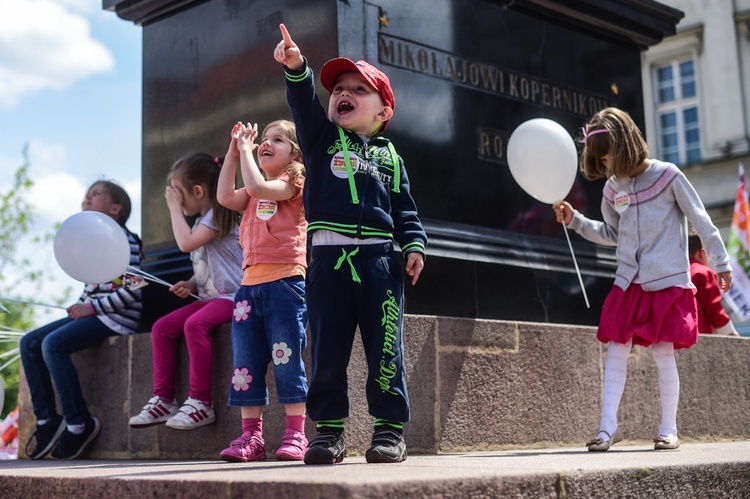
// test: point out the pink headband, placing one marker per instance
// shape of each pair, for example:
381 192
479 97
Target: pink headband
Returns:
586 135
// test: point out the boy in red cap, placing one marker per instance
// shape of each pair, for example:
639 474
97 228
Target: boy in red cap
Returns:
357 202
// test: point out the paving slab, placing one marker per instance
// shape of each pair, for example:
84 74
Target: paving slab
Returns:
718 469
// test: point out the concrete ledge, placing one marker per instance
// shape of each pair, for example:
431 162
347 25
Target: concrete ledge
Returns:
695 470
474 385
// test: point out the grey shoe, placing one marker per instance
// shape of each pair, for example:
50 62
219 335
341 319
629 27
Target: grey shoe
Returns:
601 444
327 447
666 442
388 446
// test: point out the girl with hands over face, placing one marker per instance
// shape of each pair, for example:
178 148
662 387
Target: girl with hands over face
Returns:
213 244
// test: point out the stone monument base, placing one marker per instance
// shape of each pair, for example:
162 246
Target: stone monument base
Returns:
474 385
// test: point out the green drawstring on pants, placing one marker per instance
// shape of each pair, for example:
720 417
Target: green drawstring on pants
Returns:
348 257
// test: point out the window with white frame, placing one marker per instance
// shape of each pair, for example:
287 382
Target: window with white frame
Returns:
677 112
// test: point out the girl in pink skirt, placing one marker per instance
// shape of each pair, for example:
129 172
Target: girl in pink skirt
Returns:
646 205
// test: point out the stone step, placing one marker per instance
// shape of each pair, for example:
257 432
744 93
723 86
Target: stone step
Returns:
720 469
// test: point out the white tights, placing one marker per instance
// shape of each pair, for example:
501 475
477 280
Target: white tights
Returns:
615 371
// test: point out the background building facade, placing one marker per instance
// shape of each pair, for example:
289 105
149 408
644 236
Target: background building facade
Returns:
696 89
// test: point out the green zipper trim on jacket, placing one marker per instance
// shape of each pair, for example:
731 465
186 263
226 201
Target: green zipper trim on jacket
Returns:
396 168
349 170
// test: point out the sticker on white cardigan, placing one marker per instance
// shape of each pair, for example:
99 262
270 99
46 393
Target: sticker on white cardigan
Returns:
622 201
266 209
338 165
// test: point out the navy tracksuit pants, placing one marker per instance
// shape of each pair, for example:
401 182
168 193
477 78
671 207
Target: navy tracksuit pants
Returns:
349 286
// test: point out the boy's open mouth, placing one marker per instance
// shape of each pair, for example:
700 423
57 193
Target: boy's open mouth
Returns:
345 107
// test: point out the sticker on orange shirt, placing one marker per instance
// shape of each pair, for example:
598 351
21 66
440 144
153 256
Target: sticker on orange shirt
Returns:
266 209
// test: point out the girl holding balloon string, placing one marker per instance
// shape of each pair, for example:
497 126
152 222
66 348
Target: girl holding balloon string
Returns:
646 205
103 310
213 243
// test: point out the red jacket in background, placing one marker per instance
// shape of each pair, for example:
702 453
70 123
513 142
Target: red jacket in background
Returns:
711 313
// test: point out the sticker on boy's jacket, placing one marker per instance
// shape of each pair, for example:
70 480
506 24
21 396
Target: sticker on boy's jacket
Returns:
338 165
266 209
622 201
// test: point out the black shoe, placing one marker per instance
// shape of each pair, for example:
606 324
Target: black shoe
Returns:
388 446
46 436
327 447
71 445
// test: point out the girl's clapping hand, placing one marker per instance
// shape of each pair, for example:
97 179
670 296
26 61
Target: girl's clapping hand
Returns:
247 135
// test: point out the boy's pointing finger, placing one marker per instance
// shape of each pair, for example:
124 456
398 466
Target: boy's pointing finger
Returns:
285 34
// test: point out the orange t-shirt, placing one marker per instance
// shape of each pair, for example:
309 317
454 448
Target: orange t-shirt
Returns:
274 232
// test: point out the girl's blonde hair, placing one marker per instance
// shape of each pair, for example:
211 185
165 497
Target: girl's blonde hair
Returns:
203 169
622 141
295 169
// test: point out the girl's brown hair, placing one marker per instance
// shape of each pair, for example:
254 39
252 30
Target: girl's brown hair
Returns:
623 142
203 169
295 169
118 196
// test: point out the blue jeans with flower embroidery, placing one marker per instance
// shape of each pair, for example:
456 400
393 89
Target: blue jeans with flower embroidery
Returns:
269 324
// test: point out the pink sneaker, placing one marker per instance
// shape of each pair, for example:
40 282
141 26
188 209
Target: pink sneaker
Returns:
293 446
244 449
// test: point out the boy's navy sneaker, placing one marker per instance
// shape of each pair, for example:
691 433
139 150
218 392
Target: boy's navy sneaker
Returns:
388 446
327 447
71 445
46 436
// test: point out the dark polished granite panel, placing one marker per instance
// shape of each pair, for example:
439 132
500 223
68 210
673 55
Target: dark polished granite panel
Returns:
465 74
206 68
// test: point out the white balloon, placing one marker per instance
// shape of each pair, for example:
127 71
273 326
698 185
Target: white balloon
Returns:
92 248
543 160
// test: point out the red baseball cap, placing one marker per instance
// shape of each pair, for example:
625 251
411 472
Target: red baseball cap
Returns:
375 77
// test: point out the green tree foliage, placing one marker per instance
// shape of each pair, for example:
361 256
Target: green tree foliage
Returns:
16 218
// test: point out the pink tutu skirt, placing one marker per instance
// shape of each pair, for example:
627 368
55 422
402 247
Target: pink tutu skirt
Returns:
648 317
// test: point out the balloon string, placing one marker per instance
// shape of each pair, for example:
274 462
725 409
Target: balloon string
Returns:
155 279
32 303
575 263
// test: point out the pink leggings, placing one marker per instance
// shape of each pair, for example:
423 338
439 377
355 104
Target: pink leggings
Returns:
195 321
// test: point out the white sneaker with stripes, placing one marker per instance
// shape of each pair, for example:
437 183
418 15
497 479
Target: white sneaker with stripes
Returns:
156 411
192 414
